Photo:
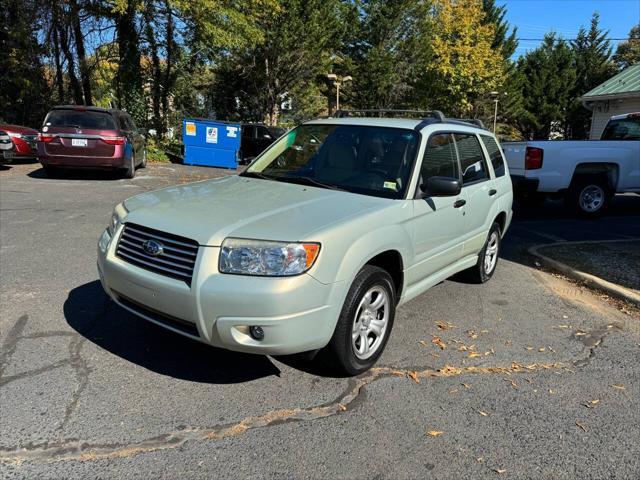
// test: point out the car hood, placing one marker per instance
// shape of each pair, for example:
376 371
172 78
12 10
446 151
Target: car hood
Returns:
235 206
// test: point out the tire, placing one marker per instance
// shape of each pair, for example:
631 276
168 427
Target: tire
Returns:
484 269
351 355
589 196
130 171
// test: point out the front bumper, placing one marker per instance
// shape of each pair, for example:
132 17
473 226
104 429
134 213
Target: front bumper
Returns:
297 313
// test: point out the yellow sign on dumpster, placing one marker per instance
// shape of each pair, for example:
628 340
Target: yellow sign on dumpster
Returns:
190 129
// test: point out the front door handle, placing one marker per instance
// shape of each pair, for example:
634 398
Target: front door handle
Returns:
459 203
492 192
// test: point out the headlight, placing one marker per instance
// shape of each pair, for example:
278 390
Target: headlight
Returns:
266 258
118 215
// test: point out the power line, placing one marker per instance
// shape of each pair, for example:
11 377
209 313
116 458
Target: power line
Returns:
574 39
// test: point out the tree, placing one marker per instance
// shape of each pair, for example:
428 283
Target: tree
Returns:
385 51
593 65
295 50
24 92
465 66
628 52
548 79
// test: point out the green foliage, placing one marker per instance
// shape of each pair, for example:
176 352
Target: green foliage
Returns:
548 79
24 93
156 150
628 52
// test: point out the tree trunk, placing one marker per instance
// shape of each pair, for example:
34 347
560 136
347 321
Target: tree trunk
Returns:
149 14
82 57
129 81
168 76
55 39
71 66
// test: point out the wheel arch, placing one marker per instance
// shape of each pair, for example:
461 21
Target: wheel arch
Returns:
608 170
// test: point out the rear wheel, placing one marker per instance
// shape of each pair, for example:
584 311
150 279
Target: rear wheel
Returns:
589 196
130 171
365 322
483 270
144 159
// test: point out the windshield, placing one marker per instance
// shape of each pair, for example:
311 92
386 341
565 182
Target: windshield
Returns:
80 119
623 129
360 159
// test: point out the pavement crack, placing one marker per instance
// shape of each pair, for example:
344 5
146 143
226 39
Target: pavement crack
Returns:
11 342
82 370
592 340
79 450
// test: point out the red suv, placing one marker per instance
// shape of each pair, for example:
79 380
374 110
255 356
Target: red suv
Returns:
91 137
17 143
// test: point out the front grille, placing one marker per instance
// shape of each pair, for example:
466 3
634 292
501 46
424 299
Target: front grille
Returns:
177 259
167 320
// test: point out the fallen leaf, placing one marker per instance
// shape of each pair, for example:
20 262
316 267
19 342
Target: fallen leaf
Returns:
541 349
434 433
582 427
514 385
423 343
565 316
550 392
414 376
474 354
484 414
551 349
529 348
480 459
342 407
438 341
619 387
463 348
472 334
500 470
591 403
442 325
435 355
465 385
452 391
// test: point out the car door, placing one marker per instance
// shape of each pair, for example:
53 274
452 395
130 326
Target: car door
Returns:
479 188
134 137
438 222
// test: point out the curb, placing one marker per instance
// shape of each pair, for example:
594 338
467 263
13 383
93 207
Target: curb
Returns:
610 288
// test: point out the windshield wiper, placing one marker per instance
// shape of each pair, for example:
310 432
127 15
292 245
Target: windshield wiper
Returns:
310 181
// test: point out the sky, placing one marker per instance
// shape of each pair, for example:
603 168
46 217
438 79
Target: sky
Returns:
534 18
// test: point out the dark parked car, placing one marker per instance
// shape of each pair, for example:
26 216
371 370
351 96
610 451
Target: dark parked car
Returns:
256 138
17 143
91 137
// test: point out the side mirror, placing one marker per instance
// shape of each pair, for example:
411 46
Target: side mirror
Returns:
441 187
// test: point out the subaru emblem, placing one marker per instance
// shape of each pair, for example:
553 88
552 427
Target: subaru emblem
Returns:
153 248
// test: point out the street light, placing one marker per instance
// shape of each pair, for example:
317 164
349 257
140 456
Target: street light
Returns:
337 82
495 96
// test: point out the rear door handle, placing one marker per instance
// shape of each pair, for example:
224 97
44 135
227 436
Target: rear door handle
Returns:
492 192
459 203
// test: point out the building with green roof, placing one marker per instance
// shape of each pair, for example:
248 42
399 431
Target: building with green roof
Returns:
618 95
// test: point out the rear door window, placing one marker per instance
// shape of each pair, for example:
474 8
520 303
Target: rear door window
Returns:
472 161
495 155
80 119
439 158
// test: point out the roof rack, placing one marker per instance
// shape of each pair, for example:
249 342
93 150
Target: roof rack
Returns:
435 114
427 116
474 121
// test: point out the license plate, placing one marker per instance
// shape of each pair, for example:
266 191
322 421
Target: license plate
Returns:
8 155
78 142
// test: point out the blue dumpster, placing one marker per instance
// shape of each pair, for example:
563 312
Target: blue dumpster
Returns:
211 143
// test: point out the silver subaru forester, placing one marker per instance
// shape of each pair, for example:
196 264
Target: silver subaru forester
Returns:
318 241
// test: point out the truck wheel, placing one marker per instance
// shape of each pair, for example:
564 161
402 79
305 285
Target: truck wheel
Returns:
589 196
365 322
483 270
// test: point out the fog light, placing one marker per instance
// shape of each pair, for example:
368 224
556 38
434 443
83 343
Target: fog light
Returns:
256 332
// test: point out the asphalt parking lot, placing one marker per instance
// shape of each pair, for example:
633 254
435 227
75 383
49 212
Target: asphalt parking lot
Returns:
528 376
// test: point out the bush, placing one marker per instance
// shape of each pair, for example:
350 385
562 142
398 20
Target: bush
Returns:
156 151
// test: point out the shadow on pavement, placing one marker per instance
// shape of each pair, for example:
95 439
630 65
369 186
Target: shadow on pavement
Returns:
93 315
76 174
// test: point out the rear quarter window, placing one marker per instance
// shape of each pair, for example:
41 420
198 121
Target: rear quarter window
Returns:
80 119
495 155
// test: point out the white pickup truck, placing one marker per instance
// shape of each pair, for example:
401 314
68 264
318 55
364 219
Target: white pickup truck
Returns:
587 173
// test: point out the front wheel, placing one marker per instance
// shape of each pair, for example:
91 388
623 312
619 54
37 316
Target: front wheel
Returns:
483 270
365 322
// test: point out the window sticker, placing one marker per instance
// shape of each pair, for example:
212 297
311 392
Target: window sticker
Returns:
212 134
232 132
390 185
190 129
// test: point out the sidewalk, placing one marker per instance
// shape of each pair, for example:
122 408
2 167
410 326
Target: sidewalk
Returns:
612 266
